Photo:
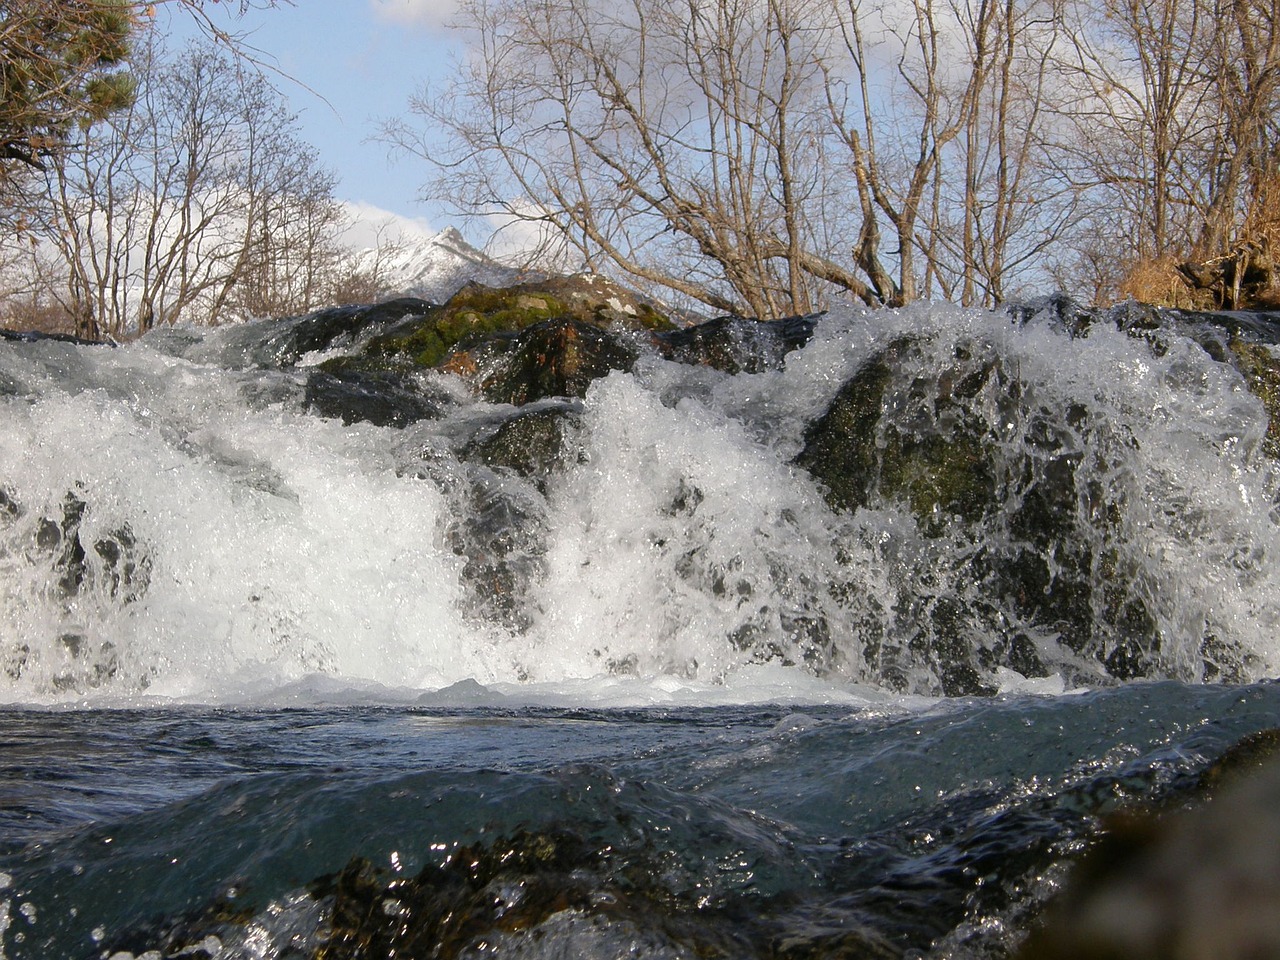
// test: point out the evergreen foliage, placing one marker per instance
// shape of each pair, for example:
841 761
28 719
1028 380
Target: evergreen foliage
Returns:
61 68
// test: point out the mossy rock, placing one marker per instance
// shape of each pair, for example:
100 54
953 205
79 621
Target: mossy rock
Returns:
477 311
840 446
941 470
1261 372
555 358
1029 542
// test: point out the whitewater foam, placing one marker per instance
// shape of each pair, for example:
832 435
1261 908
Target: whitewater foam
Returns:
178 526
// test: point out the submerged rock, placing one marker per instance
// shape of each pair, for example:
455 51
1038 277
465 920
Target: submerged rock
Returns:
354 391
110 568
511 885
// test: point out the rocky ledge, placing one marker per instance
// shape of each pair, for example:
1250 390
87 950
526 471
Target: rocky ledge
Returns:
906 429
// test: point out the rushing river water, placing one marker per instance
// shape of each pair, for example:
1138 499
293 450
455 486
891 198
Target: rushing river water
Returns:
282 686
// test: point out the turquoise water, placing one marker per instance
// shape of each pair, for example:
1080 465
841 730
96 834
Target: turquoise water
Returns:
731 831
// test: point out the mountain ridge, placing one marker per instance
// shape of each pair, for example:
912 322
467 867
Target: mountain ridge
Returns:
434 268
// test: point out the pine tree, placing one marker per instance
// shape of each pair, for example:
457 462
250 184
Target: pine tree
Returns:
62 67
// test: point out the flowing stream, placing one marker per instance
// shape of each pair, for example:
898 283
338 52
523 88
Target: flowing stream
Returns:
702 683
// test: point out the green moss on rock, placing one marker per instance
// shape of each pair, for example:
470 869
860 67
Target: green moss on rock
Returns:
1261 372
476 312
840 446
938 476
940 472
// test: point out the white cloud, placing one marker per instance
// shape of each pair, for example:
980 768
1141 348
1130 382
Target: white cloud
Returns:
433 14
372 226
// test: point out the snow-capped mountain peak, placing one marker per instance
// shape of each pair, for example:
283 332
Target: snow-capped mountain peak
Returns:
434 268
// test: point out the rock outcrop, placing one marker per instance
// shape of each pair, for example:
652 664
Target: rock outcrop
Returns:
1198 884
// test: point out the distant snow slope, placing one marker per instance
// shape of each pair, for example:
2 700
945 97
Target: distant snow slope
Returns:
435 268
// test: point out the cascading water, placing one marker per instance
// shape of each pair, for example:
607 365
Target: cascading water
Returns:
1013 500
785 641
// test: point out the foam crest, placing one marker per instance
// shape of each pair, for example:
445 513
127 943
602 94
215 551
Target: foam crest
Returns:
173 527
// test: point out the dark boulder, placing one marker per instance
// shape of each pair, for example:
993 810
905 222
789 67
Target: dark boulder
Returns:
354 391
1200 883
284 342
554 358
36 336
328 328
735 345
530 442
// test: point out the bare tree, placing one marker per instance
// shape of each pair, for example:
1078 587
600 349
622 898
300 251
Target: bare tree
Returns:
758 156
1135 118
1170 133
1244 58
677 141
199 202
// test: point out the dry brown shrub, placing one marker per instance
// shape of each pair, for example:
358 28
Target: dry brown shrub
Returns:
1158 283
42 315
1261 226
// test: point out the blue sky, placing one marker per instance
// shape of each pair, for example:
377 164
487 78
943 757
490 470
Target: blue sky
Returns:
365 58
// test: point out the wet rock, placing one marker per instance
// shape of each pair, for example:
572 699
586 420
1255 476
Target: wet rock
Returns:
501 535
1261 371
1247 757
530 442
1199 884
840 448
554 358
354 391
117 562
110 568
325 328
932 449
1017 488
1243 339
510 885
35 336
287 340
1059 309
735 345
